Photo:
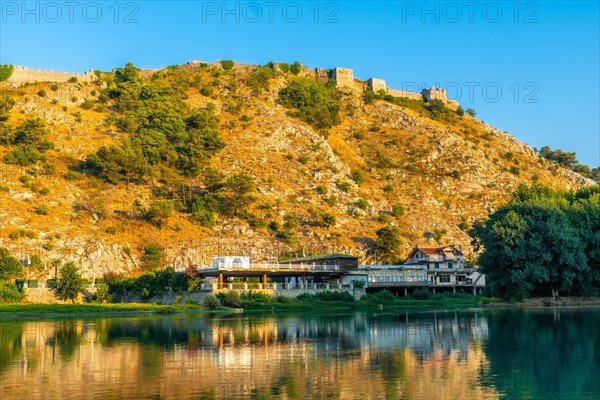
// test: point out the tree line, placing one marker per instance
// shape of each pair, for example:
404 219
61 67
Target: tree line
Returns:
544 241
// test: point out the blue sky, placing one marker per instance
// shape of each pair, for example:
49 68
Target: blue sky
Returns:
529 68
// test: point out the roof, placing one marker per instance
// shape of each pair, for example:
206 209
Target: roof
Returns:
433 250
320 257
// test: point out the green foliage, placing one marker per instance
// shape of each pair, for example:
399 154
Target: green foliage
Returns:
362 204
211 302
10 267
568 159
239 192
295 68
259 80
6 72
42 209
543 242
31 140
9 293
227 64
152 255
460 112
327 296
204 213
70 282
327 219
398 210
102 294
127 74
316 103
166 137
471 112
230 298
358 177
160 210
388 245
149 284
344 186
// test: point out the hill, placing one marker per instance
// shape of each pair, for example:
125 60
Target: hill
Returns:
206 159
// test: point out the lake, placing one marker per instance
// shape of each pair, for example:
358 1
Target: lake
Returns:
464 354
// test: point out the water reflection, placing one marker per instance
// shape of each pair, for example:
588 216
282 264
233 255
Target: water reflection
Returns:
441 355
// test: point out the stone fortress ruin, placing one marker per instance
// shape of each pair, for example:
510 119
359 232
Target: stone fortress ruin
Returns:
344 78
21 75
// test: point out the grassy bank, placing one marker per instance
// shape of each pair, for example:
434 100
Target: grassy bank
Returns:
16 310
340 300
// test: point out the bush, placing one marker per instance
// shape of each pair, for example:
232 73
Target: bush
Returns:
9 293
383 296
42 209
87 104
317 104
227 64
398 210
230 299
460 111
357 176
421 294
211 302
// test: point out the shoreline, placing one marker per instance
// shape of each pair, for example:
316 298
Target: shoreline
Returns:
39 310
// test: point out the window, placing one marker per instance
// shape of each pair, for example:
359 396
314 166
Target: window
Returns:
409 277
388 277
444 278
449 265
436 265
400 278
379 278
421 277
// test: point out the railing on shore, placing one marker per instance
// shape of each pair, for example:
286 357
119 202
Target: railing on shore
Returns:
270 267
275 286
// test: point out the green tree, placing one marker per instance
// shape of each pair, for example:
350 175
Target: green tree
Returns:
160 210
328 219
317 104
10 267
239 192
70 282
152 256
388 245
531 245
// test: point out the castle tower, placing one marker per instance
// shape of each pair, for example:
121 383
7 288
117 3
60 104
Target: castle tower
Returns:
343 77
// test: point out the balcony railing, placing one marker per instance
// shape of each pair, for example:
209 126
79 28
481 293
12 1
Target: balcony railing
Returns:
272 267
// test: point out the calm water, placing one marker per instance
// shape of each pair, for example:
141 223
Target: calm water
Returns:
513 354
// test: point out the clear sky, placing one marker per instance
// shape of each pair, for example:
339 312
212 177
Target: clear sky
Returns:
530 68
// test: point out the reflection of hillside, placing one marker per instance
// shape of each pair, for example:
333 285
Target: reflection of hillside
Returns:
351 356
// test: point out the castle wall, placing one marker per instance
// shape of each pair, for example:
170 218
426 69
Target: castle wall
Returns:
22 75
434 93
403 93
343 77
376 84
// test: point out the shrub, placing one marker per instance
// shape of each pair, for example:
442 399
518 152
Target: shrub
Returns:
230 299
471 112
9 293
398 210
41 93
87 105
317 104
362 204
211 302
358 177
6 72
460 111
421 294
227 64
321 189
74 175
343 185
42 209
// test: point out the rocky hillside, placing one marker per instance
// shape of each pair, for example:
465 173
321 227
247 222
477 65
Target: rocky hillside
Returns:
316 188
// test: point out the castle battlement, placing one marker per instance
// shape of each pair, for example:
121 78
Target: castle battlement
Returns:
23 75
344 78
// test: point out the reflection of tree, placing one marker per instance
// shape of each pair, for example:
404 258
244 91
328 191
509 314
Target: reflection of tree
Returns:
11 335
544 354
68 338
